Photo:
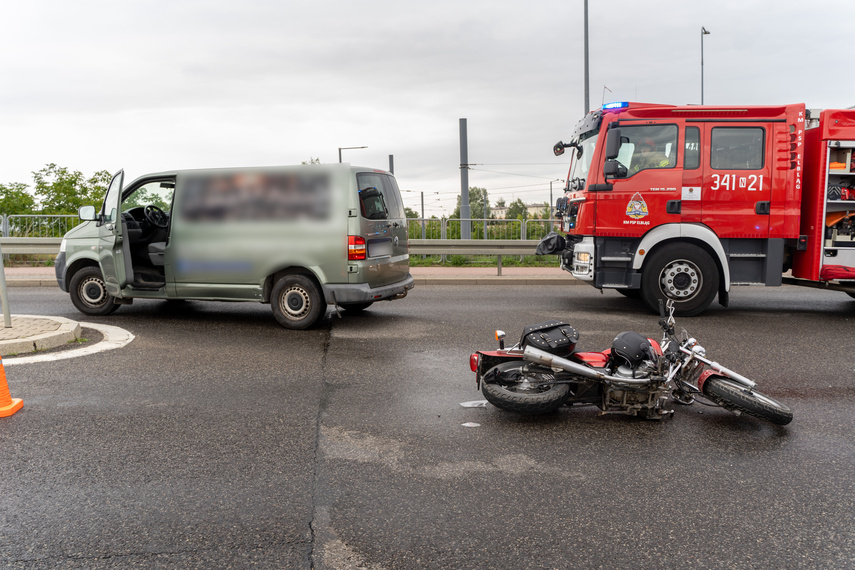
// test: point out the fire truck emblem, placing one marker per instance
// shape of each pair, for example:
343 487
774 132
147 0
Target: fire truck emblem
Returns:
637 207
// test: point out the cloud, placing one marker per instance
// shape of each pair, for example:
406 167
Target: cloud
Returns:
155 85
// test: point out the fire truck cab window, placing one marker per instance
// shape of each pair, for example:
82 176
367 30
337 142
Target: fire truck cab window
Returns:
692 152
648 147
737 148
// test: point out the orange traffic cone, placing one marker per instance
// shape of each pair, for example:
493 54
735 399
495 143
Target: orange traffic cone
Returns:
8 404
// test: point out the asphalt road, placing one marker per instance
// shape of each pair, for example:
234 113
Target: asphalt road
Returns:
218 439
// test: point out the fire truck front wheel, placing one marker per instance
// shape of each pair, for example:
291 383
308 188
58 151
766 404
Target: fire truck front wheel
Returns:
683 273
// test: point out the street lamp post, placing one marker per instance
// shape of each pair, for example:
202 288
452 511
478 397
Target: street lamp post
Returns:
704 32
587 86
341 148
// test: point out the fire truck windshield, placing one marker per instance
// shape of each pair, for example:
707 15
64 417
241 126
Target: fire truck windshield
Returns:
582 160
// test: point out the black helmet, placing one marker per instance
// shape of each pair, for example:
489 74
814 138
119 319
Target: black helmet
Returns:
631 348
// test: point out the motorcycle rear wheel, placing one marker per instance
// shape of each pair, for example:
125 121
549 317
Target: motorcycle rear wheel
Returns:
517 387
732 396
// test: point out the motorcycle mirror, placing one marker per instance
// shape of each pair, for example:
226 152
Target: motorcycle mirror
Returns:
500 336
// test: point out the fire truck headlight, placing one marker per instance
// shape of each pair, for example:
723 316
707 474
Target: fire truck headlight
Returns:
583 257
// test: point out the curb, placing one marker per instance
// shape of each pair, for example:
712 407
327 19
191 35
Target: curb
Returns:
495 280
25 282
68 331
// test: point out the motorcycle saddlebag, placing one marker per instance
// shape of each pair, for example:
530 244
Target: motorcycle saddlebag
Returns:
553 337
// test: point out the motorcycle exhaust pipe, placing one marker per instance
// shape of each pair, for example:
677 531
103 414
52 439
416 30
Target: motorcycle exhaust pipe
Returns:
532 354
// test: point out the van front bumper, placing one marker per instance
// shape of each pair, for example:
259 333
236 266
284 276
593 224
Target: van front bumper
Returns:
59 271
362 292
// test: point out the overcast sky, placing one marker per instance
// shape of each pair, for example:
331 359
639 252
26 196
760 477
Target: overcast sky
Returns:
154 85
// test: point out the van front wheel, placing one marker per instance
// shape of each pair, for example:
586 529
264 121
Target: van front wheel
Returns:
89 294
296 302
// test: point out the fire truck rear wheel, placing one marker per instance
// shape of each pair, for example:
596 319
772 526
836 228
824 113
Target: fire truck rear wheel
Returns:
683 273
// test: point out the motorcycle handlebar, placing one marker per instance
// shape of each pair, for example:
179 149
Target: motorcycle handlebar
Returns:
665 322
739 378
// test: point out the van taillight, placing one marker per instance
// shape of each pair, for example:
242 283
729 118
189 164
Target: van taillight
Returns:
356 249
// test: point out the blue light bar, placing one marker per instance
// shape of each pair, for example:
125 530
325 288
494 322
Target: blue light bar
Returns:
621 105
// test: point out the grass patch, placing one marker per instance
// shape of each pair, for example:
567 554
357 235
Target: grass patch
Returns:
29 260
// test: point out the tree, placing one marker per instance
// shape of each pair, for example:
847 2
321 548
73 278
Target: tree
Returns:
15 199
517 210
477 196
61 191
312 160
410 213
143 197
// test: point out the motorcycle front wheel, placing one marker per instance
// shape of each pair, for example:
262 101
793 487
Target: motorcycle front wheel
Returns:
734 397
523 388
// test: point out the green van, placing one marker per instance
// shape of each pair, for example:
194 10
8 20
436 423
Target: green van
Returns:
298 237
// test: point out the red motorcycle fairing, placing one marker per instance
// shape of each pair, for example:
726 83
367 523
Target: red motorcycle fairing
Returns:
593 359
705 375
483 360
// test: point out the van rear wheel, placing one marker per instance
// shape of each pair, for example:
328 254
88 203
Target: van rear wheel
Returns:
296 302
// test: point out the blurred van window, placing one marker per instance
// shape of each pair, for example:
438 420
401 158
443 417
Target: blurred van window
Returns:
256 196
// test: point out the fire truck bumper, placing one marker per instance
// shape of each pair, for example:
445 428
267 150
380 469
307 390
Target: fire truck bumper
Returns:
578 259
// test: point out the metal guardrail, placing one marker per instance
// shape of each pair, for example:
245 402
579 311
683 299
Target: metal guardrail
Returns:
473 246
30 245
444 228
37 245
38 225
497 247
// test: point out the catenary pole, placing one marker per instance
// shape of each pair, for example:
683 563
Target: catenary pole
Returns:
465 232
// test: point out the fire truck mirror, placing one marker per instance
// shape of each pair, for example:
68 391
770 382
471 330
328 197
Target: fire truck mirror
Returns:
558 149
613 143
614 169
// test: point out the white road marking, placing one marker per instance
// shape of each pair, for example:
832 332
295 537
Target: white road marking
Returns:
114 337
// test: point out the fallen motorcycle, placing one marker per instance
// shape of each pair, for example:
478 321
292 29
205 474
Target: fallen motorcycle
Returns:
637 376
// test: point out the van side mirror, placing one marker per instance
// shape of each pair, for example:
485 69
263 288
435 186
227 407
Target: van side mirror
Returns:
87 213
613 142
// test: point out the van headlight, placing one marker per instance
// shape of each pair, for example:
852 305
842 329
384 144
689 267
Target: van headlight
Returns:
62 246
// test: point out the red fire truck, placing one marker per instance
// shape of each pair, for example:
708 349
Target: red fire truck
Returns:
683 203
